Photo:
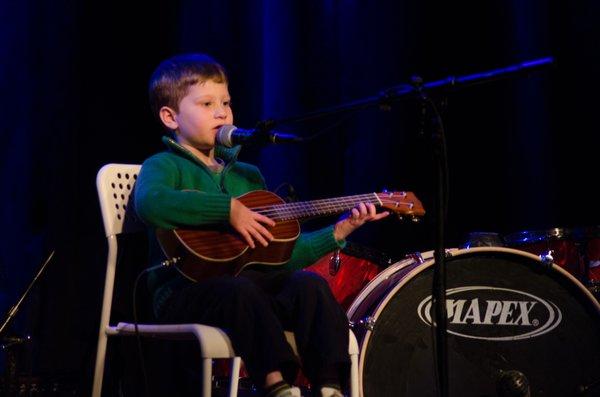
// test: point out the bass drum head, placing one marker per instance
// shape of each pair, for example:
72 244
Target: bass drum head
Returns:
506 312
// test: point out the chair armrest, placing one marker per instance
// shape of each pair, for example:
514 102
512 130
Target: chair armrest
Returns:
214 342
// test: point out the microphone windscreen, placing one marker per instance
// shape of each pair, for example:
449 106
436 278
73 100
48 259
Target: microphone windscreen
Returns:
224 135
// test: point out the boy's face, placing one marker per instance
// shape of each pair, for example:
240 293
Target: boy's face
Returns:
204 109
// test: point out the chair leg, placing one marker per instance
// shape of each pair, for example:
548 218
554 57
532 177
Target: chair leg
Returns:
235 376
206 377
105 315
99 369
354 351
354 375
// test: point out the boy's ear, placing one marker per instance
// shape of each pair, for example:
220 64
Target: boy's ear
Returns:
167 116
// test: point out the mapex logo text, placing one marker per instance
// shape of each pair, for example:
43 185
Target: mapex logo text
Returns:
496 314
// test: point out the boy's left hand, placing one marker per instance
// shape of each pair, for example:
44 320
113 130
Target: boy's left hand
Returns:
356 218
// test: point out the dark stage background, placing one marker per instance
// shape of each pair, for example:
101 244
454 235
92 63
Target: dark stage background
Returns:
522 152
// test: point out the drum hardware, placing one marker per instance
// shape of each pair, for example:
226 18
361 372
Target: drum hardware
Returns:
557 232
547 259
512 384
335 262
416 256
483 239
366 323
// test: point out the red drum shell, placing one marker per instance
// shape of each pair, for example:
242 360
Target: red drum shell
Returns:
564 244
351 276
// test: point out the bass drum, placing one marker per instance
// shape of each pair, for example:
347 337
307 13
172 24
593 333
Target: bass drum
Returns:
506 311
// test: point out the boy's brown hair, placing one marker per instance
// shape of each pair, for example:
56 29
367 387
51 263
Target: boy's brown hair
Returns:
172 78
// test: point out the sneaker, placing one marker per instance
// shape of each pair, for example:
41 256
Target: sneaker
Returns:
289 392
330 392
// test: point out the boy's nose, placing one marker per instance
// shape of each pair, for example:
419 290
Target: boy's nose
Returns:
220 113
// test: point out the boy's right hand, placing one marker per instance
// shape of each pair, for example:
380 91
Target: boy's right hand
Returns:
249 224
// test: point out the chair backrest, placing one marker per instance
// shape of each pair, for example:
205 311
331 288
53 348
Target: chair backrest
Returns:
115 186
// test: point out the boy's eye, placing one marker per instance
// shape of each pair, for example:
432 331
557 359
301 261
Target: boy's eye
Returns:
207 104
227 103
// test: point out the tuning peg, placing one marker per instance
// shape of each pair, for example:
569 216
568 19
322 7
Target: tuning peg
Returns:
400 217
415 219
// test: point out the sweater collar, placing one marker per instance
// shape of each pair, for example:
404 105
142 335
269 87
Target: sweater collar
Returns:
227 154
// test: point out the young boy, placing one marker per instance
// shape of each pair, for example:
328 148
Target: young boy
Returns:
195 183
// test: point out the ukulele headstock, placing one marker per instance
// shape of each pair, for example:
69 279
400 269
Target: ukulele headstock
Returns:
403 204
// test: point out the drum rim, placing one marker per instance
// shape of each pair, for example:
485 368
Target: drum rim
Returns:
384 274
428 263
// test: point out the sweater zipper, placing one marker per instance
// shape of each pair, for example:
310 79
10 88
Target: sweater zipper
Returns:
221 184
222 180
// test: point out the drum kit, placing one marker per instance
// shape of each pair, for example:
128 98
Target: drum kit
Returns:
525 303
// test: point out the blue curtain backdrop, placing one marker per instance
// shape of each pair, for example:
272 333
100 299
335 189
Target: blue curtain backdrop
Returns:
522 152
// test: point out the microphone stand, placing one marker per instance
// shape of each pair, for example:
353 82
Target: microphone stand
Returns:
13 311
438 287
402 91
8 342
423 92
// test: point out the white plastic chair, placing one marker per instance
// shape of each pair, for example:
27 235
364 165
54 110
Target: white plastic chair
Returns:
114 183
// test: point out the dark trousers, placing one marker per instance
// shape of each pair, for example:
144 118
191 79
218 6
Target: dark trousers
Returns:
255 307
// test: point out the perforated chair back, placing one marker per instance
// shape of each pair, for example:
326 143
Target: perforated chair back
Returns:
115 184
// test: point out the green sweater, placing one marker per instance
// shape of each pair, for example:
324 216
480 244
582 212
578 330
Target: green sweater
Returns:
175 189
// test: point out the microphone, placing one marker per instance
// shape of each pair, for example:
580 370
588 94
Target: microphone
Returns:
230 135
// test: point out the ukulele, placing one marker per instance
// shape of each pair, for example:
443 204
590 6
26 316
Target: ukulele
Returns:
207 251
